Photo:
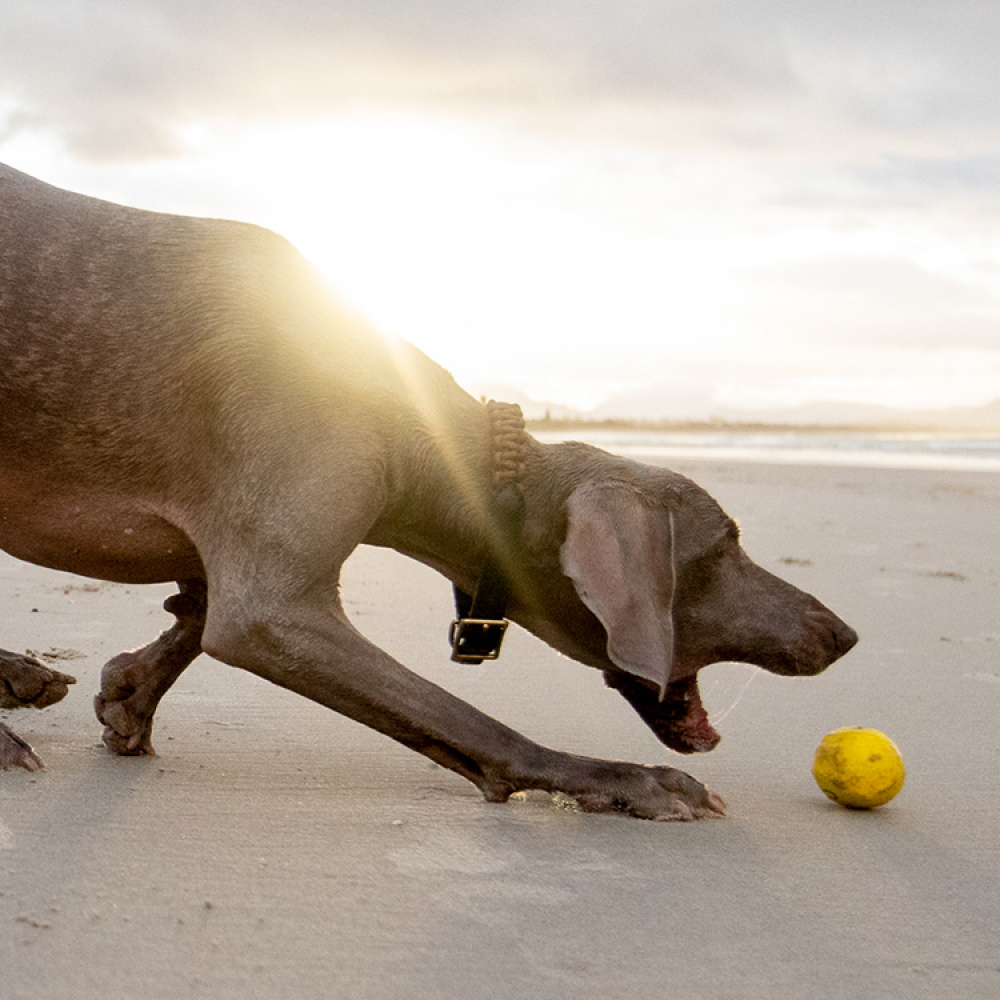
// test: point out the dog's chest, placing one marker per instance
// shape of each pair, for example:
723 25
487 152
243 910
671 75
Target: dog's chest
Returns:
109 538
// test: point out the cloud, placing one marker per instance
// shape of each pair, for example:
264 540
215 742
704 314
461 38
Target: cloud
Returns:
122 81
774 181
878 303
967 185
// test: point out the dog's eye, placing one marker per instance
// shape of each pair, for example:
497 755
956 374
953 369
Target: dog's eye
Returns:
700 573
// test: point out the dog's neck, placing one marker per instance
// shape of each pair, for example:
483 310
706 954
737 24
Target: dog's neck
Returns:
447 466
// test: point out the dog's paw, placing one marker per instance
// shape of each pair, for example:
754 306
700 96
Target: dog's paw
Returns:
127 703
658 793
15 753
126 732
26 681
600 786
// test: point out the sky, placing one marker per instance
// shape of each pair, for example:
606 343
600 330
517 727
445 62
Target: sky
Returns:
675 207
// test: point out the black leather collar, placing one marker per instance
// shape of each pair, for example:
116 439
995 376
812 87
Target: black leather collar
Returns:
480 624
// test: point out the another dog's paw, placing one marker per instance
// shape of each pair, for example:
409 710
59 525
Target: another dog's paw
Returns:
15 753
26 681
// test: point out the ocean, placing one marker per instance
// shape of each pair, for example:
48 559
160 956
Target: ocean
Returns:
895 450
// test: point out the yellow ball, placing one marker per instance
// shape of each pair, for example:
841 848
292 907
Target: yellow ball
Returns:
858 768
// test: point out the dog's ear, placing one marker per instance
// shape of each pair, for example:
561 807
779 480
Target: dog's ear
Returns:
619 553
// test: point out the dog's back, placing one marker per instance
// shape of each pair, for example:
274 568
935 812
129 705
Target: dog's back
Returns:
111 316
150 362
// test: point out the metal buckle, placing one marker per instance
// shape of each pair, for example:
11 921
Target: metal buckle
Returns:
476 639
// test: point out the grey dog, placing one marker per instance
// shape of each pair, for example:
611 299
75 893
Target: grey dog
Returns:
182 400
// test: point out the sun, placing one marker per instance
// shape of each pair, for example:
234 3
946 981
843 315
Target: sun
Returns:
536 263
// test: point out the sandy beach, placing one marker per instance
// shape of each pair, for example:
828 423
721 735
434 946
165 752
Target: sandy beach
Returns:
275 850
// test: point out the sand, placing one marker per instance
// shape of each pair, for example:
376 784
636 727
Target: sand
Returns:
273 849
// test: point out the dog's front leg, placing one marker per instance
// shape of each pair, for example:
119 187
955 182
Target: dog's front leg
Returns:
317 653
133 683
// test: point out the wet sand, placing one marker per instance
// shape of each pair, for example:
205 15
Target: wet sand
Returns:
273 849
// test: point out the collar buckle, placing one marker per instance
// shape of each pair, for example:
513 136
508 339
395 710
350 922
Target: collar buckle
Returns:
476 639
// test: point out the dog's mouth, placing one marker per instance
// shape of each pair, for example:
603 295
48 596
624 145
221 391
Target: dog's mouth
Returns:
679 720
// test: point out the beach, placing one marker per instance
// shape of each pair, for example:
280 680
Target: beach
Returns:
273 849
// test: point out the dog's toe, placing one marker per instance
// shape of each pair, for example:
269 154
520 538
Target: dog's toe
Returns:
15 753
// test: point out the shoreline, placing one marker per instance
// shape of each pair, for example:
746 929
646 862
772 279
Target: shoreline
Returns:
559 425
785 446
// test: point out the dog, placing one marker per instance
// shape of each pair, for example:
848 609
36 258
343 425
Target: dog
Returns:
183 400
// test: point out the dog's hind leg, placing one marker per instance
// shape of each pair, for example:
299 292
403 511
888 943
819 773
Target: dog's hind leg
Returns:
133 683
14 752
26 681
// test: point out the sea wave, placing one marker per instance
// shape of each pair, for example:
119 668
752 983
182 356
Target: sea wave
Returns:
895 450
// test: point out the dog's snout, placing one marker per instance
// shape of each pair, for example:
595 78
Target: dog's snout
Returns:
819 639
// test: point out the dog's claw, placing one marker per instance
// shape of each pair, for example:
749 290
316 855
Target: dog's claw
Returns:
717 804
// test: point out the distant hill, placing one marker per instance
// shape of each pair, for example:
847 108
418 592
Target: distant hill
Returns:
654 405
969 418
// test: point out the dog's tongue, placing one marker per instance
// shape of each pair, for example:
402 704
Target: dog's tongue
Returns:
689 730
679 720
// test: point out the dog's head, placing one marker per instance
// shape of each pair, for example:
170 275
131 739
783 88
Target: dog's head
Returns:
655 585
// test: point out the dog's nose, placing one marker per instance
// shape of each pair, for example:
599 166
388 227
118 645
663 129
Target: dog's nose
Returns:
845 638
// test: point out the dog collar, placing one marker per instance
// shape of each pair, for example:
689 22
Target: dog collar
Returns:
478 629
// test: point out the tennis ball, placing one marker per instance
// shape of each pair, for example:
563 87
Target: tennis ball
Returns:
858 768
